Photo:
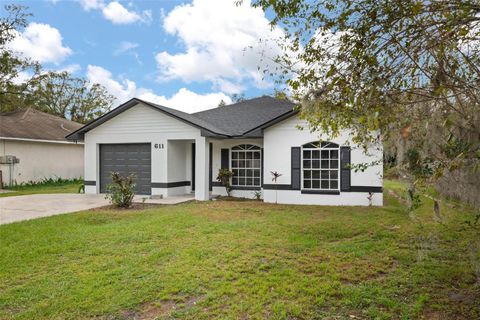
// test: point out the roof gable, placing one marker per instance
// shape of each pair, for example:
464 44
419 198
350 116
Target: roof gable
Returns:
142 119
244 118
182 116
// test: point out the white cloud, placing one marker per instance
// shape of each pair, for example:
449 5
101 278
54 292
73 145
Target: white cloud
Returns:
125 89
91 4
40 42
125 46
187 101
224 44
71 68
118 14
22 77
228 86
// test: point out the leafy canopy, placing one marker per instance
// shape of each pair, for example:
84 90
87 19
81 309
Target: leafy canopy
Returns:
407 68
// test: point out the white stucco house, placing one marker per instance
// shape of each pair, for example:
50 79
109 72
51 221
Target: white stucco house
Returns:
174 153
33 147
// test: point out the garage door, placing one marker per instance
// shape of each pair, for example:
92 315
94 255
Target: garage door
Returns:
126 159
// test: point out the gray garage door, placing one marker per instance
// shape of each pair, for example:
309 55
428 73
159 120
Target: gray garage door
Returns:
126 159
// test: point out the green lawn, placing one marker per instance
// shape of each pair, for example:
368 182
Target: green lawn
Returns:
242 260
66 186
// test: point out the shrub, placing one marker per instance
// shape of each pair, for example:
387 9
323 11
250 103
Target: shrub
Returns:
120 192
224 176
275 176
257 195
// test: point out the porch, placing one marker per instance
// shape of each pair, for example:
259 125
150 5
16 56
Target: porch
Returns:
191 167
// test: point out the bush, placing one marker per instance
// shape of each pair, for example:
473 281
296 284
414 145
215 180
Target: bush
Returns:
120 192
257 195
224 176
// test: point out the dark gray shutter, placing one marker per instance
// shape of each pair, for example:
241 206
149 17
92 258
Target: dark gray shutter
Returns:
225 163
296 167
261 168
345 168
210 166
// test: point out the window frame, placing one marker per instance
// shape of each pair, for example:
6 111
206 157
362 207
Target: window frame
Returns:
323 146
253 148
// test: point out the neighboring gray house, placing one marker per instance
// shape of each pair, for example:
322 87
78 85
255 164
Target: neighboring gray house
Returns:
173 153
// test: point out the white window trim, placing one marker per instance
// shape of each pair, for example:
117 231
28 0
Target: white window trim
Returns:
260 168
338 169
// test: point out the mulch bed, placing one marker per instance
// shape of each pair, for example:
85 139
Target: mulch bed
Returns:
134 207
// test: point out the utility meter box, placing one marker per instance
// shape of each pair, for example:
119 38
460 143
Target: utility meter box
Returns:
9 159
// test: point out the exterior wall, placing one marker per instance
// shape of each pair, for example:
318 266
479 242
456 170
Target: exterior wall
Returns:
278 141
179 166
41 160
218 145
343 199
143 124
248 194
171 159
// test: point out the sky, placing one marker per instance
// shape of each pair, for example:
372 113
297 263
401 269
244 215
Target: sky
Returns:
188 55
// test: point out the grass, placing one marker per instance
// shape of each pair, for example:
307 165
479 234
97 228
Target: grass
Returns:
46 186
243 260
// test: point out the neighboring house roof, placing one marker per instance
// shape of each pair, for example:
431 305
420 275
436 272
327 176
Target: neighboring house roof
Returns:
244 118
33 124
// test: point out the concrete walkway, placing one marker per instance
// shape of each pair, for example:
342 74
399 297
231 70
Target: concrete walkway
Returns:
19 208
168 200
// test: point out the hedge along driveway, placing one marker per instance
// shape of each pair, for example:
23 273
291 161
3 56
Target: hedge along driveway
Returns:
49 186
247 260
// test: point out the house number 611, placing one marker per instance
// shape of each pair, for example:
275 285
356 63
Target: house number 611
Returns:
159 146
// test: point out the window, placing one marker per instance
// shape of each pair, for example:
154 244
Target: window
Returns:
246 165
320 166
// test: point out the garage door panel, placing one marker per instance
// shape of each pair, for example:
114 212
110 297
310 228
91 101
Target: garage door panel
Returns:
126 159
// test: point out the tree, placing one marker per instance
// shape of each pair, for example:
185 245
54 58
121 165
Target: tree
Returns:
222 103
279 94
238 97
73 98
23 83
16 74
407 68
16 18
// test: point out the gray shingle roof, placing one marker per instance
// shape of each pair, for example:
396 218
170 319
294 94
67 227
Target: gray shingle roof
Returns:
34 124
243 118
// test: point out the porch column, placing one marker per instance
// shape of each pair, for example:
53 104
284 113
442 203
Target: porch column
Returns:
201 169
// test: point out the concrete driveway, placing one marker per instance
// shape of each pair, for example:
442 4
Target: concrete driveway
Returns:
19 208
